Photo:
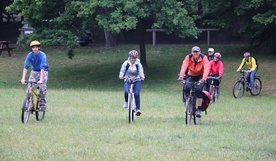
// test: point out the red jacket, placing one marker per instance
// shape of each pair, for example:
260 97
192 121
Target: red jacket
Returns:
216 68
201 67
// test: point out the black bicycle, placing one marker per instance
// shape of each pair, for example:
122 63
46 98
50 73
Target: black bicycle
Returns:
242 84
190 111
31 104
214 89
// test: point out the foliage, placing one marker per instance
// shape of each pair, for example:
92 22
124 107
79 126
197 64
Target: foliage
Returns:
255 19
54 19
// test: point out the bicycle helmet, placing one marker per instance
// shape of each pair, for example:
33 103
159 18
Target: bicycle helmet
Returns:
133 54
34 43
246 54
217 55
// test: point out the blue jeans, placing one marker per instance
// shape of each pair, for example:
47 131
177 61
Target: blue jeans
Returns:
250 78
136 90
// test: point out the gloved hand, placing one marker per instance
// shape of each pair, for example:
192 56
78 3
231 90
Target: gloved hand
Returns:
201 81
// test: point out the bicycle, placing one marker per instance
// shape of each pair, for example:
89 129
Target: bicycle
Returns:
214 89
131 100
31 104
239 86
190 111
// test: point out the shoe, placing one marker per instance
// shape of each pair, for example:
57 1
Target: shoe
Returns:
247 89
138 113
198 113
42 108
125 105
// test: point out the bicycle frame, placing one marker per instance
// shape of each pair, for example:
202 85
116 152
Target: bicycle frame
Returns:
131 100
32 91
213 89
191 105
31 103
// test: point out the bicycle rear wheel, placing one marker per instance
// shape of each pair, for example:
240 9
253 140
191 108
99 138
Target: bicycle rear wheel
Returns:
238 89
26 110
39 114
189 112
257 87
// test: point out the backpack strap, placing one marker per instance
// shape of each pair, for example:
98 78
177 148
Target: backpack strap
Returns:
127 66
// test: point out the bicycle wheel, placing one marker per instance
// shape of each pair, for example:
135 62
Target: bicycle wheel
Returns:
257 87
196 119
39 114
130 108
216 95
238 89
26 110
189 111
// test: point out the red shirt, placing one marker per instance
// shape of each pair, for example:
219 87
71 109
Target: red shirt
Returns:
216 68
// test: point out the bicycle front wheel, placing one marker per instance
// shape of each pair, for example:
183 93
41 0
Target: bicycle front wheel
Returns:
39 114
189 112
131 115
238 89
257 87
26 110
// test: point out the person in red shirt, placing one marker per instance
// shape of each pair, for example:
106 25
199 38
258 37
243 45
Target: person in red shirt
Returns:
216 70
195 68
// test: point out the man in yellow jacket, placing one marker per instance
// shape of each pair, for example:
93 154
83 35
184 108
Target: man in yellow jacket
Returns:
253 68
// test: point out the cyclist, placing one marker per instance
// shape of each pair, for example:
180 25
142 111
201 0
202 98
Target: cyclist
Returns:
216 69
198 69
211 52
253 68
39 72
133 69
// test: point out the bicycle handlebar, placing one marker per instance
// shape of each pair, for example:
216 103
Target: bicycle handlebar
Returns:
243 71
209 77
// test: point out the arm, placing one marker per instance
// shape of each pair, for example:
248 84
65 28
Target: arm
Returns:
41 77
122 71
184 67
242 64
24 73
141 71
254 64
221 69
206 65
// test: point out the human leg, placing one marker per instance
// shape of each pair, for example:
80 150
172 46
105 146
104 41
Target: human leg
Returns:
126 91
137 88
252 76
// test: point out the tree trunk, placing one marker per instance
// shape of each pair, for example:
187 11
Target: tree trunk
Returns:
141 33
110 39
237 21
1 12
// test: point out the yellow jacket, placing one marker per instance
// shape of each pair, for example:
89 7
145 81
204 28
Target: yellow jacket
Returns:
251 63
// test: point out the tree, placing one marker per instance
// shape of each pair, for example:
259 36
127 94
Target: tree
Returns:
115 16
253 19
63 18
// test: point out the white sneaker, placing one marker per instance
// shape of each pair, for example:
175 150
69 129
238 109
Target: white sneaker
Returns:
138 113
125 105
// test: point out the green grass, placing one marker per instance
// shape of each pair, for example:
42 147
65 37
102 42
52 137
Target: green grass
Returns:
85 119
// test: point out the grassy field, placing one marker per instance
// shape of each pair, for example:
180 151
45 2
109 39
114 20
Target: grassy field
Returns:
85 119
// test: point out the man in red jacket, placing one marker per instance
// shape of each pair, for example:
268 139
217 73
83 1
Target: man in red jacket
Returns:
197 66
216 69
